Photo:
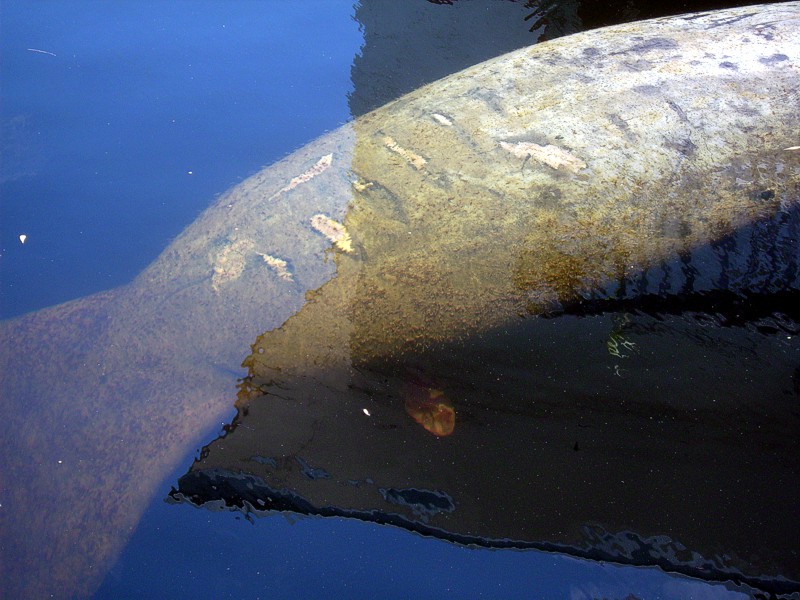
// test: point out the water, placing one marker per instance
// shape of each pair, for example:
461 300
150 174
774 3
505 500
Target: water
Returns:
147 111
115 144
193 553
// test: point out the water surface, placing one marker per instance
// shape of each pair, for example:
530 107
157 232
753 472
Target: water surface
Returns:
115 144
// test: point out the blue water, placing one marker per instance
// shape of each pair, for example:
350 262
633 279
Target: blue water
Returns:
115 144
184 552
149 109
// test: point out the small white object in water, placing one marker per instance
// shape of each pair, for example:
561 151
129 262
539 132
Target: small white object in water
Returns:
366 412
40 51
22 238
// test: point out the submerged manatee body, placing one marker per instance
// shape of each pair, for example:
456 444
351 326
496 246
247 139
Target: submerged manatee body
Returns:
511 189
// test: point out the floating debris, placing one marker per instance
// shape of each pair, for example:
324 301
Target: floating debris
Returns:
442 120
334 231
321 165
552 156
431 409
413 158
40 51
280 266
22 238
617 343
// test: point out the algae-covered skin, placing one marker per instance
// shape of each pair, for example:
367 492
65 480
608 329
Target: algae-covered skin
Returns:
523 183
506 190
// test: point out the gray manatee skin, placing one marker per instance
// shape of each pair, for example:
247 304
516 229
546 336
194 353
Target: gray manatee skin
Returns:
504 190
520 184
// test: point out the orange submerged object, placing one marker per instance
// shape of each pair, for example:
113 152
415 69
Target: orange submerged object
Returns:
430 408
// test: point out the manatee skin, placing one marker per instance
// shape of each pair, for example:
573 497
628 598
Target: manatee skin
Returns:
509 190
503 190
521 184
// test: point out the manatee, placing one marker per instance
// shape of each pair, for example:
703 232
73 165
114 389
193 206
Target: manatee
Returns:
508 191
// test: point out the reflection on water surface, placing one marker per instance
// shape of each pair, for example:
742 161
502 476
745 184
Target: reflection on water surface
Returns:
418 384
661 435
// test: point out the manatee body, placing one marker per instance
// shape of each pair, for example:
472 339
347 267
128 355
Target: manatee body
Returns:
509 189
522 187
519 185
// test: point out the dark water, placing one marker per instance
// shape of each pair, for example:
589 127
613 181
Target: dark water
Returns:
115 144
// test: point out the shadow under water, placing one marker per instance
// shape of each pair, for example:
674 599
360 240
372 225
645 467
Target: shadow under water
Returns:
649 433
